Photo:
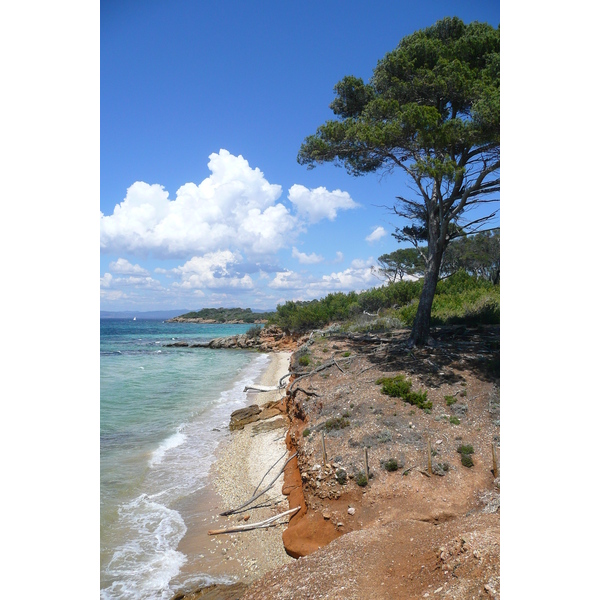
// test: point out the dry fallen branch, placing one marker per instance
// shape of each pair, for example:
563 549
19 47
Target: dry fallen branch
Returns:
325 365
256 496
263 477
338 366
299 389
266 523
261 388
284 377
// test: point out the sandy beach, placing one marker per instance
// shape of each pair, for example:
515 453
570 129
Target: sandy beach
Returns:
242 461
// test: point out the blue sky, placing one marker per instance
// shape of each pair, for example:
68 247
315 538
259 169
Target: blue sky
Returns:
203 108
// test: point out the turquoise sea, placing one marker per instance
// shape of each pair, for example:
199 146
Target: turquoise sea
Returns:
163 411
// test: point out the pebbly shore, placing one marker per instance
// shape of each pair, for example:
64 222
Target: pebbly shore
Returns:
242 461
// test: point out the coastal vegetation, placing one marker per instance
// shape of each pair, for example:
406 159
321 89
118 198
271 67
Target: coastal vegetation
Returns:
225 315
432 110
477 254
400 387
459 299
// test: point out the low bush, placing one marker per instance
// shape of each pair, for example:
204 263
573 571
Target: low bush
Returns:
461 298
361 479
450 400
254 331
466 460
391 465
341 476
465 451
304 360
336 423
400 387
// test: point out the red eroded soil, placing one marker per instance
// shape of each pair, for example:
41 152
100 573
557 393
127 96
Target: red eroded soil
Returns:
410 532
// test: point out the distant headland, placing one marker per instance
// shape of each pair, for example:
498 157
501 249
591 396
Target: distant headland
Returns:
222 315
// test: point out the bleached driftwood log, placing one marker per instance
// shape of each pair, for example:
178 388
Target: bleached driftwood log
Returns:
266 523
256 496
261 388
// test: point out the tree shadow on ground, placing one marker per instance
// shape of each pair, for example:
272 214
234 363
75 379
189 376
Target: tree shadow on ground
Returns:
455 348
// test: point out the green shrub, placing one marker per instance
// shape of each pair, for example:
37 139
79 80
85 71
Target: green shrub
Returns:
341 476
454 420
304 360
306 432
400 387
254 331
450 400
361 479
346 354
461 298
465 449
391 465
336 423
466 460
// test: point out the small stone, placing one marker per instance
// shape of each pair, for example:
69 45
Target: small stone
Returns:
351 510
438 441
438 590
326 516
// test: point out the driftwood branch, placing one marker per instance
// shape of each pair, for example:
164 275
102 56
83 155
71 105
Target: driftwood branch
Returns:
266 523
284 377
338 366
256 496
325 365
261 388
263 477
299 389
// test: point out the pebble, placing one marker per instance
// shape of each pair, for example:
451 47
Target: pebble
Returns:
351 511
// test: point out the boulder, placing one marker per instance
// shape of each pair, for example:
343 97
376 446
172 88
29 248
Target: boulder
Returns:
243 416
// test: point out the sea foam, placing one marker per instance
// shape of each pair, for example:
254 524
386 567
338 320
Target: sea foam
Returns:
171 442
143 566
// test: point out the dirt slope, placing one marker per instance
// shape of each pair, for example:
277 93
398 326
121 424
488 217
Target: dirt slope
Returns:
408 533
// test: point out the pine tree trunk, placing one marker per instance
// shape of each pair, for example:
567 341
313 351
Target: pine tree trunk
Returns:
421 326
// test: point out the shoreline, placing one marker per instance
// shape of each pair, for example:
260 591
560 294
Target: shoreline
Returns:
241 461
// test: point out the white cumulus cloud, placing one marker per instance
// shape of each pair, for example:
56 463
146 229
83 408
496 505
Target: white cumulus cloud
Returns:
235 207
287 280
106 280
214 270
376 234
123 267
319 203
306 259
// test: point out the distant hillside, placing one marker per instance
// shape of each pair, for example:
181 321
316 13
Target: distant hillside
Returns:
224 315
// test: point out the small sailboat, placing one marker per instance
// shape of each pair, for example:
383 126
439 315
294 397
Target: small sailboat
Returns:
134 318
